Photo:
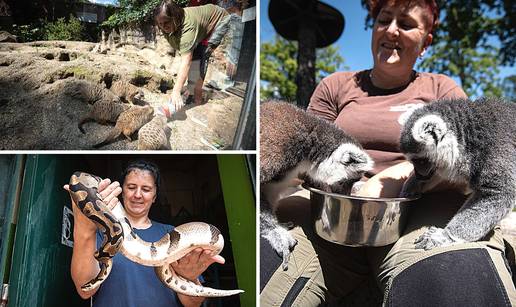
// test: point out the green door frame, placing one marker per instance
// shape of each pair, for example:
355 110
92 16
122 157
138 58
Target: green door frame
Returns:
40 271
237 188
11 214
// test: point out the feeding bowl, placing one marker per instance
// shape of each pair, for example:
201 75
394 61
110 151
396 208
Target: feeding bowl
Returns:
358 221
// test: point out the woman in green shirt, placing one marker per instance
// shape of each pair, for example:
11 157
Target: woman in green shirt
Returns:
185 28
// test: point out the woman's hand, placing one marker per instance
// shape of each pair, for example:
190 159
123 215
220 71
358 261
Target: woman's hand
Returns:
108 191
387 183
193 264
191 267
176 100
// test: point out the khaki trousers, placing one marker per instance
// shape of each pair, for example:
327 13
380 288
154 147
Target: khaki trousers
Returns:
329 271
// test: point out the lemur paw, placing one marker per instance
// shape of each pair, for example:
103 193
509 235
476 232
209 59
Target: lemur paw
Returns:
434 237
282 242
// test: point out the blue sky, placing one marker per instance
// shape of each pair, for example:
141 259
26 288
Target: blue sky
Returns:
354 43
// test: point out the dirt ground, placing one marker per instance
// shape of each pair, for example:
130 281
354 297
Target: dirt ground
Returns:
39 111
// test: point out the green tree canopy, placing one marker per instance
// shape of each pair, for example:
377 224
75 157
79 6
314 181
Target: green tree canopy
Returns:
474 38
278 66
134 12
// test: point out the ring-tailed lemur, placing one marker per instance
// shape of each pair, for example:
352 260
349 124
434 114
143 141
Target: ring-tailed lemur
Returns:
465 142
295 144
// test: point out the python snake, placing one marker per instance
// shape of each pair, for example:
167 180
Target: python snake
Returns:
118 236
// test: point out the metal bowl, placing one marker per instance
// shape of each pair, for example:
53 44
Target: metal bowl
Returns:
358 221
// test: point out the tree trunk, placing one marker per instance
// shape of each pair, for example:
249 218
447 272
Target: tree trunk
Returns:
305 77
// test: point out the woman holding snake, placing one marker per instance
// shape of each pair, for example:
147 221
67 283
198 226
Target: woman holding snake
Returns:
132 284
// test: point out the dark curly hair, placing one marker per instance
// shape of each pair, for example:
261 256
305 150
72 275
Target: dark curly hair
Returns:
145 166
432 18
172 12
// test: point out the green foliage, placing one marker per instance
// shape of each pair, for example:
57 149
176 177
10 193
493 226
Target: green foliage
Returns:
135 12
463 47
71 30
474 38
27 33
278 66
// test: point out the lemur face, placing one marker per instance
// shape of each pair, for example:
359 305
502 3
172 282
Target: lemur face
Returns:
429 144
341 169
423 167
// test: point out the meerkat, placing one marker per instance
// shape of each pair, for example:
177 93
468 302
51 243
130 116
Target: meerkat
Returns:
296 144
90 92
105 106
465 142
152 136
103 112
127 92
128 122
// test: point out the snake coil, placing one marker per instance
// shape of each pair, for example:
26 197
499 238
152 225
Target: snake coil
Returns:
118 236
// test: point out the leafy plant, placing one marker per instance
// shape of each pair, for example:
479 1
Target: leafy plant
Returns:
135 12
27 33
64 30
278 66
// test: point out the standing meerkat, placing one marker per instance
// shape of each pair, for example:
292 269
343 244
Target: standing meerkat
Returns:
103 112
128 122
152 135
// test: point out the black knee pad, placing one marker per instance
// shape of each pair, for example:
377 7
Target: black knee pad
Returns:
269 262
456 278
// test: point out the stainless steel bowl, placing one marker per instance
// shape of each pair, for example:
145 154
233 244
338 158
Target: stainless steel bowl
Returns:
358 221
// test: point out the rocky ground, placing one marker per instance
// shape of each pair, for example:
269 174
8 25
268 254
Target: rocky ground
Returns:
38 110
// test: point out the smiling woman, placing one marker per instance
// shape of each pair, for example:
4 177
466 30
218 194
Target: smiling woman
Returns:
139 192
204 189
401 34
369 106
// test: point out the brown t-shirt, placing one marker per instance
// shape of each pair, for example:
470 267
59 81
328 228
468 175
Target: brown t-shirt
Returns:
370 114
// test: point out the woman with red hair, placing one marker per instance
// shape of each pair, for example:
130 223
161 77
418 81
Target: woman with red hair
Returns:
368 104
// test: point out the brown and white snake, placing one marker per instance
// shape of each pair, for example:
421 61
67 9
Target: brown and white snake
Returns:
118 236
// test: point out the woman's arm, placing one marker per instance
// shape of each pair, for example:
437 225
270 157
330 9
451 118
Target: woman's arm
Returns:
184 68
191 267
387 183
84 266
